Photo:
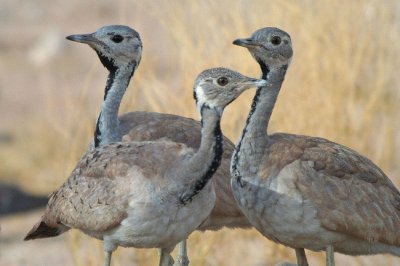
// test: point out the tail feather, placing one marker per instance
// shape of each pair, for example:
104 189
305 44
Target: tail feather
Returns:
42 230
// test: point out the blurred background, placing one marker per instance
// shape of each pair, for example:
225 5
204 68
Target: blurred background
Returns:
343 84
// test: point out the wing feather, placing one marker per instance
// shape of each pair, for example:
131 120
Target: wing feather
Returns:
350 193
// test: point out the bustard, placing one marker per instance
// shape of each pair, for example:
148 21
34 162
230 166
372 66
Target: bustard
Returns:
308 192
119 49
148 194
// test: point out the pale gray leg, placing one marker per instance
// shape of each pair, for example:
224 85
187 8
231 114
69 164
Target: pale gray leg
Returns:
107 260
165 258
182 259
330 257
301 257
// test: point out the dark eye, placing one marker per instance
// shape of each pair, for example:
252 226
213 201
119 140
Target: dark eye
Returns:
117 38
222 81
276 40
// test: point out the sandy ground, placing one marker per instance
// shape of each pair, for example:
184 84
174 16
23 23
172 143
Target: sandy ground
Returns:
14 251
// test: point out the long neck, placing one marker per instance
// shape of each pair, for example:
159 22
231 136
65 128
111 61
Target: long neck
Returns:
107 122
207 159
254 138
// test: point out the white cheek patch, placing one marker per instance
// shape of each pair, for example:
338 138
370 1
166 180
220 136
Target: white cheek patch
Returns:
202 98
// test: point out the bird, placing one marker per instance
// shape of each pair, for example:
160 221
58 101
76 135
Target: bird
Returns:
308 192
147 194
119 49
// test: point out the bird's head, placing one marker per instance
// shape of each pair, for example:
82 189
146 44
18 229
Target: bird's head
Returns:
271 47
116 45
217 87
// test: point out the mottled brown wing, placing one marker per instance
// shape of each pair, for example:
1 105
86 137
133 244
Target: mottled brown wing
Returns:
96 195
150 126
351 194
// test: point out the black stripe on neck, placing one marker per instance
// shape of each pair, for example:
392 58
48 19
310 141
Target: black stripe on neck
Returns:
109 84
218 151
97 133
132 64
110 80
107 62
113 73
265 70
195 95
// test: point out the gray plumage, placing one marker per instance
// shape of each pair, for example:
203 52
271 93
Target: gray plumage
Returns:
145 126
119 49
308 192
149 194
122 59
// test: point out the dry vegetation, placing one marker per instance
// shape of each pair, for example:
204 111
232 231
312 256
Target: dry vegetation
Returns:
343 84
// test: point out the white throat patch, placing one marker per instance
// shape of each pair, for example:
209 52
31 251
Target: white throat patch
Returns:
202 98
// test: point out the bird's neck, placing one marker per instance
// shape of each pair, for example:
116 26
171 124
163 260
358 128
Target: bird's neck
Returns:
254 138
107 122
203 164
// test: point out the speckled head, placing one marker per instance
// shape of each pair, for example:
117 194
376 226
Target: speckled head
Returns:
270 46
218 87
116 45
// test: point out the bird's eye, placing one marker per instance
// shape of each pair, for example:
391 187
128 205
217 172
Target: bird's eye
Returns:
222 81
276 40
117 38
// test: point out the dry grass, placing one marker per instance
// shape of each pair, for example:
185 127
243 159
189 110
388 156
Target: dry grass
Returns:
342 85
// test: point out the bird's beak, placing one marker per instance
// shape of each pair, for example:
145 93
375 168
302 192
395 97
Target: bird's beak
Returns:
252 82
248 83
82 38
248 43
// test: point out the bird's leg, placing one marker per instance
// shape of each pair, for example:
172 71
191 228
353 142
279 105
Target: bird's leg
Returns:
107 259
165 258
330 257
301 257
182 259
